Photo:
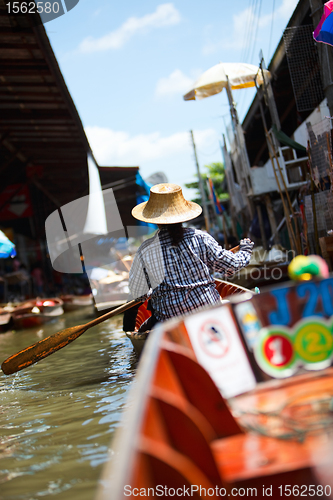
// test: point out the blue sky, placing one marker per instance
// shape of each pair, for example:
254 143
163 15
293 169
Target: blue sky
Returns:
128 64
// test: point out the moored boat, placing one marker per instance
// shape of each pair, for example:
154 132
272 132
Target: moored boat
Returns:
75 302
36 312
5 318
138 339
234 400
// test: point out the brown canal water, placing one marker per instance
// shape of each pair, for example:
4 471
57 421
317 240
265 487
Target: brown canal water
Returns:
58 417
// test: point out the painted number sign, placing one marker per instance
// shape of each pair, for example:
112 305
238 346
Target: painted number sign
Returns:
282 348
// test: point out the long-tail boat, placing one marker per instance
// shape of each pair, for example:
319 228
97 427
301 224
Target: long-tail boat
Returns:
138 338
235 400
76 302
36 312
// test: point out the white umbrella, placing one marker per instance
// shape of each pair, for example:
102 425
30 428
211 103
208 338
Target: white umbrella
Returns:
214 80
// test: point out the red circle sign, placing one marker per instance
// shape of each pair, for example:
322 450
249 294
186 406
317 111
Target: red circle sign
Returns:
278 350
214 339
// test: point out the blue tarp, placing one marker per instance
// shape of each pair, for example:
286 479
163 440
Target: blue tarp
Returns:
7 248
141 198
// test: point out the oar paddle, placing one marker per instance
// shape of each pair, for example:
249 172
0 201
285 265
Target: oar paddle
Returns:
49 345
57 341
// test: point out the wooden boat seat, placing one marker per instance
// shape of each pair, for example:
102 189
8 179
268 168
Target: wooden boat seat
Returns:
179 372
244 460
163 465
163 450
180 386
186 430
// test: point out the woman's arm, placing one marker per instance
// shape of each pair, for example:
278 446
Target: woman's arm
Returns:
225 261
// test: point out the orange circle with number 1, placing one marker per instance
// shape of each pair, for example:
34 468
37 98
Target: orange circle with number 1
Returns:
278 350
314 342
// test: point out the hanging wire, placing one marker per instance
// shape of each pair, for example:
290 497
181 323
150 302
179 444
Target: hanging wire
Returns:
256 31
247 41
271 33
256 11
209 154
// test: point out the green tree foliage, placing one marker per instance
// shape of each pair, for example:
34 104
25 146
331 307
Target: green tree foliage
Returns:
216 172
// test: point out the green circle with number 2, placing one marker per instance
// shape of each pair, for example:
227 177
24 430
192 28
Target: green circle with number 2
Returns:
314 342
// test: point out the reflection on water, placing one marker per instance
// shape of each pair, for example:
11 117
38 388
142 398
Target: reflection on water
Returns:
57 417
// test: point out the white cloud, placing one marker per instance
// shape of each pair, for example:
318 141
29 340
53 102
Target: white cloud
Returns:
244 27
165 15
112 147
175 83
287 8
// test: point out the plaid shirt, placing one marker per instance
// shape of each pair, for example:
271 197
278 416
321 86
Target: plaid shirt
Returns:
181 276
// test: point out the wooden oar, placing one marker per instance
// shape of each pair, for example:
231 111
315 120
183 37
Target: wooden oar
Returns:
49 345
53 343
234 250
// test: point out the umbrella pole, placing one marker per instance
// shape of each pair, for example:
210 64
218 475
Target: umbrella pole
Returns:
245 163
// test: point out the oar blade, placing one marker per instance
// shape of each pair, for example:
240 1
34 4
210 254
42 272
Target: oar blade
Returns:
41 349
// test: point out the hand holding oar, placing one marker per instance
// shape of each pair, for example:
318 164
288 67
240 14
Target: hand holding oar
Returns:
57 341
235 249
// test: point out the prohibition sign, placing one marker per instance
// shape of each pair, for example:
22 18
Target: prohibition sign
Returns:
213 339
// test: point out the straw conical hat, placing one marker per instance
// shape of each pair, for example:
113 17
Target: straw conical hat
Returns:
166 205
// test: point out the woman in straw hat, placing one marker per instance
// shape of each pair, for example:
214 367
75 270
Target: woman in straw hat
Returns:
176 265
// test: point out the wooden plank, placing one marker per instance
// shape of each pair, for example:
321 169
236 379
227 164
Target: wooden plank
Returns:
24 122
32 105
28 79
16 54
18 45
9 91
17 71
24 62
24 85
10 33
27 100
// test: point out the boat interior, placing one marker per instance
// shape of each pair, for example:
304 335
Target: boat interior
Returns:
179 432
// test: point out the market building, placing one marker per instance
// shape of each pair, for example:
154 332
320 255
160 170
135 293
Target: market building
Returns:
288 120
43 145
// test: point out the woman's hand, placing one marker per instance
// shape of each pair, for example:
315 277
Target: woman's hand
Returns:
246 245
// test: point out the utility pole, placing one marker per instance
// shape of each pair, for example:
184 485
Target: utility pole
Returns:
201 187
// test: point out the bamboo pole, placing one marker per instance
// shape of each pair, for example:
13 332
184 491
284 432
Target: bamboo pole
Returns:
201 187
315 225
262 227
271 216
329 151
291 208
225 232
291 234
